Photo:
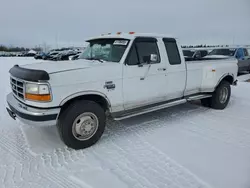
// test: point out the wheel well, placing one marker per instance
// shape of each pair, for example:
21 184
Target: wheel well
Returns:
91 97
229 79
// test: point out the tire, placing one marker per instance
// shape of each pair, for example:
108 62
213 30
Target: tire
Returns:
81 116
206 102
216 100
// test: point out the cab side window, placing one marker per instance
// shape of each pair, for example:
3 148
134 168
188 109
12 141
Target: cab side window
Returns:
172 51
141 48
146 49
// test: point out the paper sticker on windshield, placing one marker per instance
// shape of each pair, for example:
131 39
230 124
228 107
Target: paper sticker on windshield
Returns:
120 42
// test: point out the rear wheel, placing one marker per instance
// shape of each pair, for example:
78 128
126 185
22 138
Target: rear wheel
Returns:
220 97
81 124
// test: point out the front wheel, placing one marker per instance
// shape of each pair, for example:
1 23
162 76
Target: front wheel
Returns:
220 97
81 124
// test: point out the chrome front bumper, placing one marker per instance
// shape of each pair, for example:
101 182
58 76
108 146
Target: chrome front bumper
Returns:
31 115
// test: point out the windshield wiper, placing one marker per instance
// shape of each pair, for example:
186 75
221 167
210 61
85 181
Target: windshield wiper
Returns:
94 58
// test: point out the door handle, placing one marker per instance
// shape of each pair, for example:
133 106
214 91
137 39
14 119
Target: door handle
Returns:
161 69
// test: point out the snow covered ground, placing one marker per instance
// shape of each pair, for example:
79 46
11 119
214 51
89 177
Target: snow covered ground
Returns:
187 146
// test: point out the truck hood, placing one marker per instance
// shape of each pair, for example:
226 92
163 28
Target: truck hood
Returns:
62 66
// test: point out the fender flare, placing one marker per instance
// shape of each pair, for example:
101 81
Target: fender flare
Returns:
82 93
224 76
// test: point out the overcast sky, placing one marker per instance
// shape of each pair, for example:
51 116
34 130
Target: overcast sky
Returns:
33 22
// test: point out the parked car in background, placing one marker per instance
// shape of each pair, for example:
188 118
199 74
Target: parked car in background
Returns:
65 55
75 57
55 57
50 55
40 55
241 54
192 54
248 51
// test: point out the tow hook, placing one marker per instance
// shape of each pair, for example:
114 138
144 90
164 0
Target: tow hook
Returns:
12 114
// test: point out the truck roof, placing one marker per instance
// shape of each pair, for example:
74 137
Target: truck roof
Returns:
130 35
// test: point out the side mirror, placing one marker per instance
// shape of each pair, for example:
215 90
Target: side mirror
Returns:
152 58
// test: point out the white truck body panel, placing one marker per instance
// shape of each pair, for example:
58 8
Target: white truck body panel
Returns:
176 75
89 77
134 86
204 76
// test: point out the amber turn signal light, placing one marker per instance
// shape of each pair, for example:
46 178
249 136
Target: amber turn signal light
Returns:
36 97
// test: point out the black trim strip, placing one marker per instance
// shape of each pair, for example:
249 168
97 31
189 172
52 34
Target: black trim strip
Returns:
196 94
33 118
29 74
104 38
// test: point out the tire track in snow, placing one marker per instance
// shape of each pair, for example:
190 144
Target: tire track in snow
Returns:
134 161
210 129
24 170
186 177
10 147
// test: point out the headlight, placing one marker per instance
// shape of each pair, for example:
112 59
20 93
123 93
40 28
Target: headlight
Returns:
37 92
32 88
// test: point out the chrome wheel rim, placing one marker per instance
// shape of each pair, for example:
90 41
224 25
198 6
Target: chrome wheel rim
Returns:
85 126
223 95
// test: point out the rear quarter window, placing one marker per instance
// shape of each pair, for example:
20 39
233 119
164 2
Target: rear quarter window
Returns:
172 51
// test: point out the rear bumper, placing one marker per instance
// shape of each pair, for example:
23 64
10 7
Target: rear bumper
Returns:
31 115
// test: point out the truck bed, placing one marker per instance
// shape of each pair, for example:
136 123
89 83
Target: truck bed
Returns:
203 75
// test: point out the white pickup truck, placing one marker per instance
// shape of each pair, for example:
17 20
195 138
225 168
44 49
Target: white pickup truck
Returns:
119 75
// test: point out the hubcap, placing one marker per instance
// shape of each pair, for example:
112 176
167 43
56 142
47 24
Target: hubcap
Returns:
85 126
223 95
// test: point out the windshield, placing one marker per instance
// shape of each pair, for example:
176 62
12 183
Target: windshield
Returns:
227 52
105 49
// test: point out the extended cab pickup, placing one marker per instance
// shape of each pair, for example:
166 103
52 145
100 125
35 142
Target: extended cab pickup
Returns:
118 75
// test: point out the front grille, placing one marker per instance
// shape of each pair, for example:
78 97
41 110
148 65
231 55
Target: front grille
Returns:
17 87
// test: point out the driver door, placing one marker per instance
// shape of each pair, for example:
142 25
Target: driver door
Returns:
143 83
